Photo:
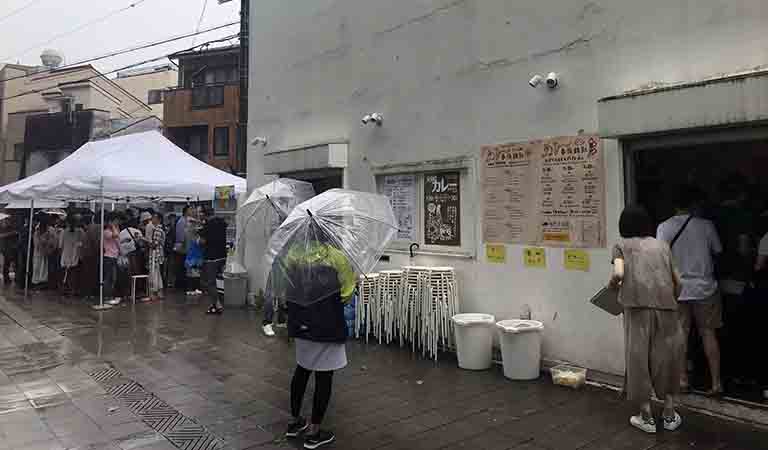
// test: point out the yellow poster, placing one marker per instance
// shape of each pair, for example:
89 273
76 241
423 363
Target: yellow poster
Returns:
535 257
496 254
577 260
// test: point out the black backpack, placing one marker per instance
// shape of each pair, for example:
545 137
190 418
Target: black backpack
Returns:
323 320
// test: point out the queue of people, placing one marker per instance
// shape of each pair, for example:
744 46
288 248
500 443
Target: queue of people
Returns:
697 271
66 253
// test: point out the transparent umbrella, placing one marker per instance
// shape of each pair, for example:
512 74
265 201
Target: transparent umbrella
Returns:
269 205
325 243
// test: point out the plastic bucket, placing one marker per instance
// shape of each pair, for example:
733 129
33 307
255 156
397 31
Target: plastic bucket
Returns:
521 348
235 290
474 340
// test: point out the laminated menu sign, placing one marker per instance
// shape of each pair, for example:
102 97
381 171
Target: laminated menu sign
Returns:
571 193
508 187
442 209
547 192
402 193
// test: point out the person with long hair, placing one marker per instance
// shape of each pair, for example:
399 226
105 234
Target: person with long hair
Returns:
71 243
44 244
649 285
156 256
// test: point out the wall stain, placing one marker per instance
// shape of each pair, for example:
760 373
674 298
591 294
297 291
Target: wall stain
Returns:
422 18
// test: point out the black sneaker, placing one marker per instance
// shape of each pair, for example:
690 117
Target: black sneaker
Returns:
296 428
319 439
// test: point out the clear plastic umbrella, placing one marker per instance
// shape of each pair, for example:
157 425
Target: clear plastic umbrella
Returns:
269 205
325 243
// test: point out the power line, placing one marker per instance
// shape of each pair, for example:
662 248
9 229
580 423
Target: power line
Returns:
202 15
79 28
131 66
19 10
129 50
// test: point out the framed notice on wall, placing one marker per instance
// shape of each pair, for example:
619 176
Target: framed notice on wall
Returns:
402 192
442 213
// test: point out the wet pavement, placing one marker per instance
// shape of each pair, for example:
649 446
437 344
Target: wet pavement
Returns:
164 376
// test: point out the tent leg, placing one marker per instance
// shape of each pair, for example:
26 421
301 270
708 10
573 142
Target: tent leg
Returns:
101 304
29 249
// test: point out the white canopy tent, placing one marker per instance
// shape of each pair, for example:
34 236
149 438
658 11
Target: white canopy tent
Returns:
136 166
40 204
142 166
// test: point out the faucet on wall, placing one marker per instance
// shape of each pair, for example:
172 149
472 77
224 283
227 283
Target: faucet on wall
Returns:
412 247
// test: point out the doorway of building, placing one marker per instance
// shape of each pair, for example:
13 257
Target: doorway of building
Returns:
322 180
733 176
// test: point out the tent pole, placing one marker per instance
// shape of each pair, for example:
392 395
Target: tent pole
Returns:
29 248
101 304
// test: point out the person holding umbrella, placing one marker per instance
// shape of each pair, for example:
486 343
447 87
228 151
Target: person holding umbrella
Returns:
313 260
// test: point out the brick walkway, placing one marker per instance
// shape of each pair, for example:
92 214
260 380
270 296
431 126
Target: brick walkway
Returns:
166 376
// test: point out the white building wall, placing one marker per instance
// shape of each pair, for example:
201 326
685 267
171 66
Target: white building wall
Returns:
451 75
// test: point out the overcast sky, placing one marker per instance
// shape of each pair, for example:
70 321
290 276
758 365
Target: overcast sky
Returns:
22 35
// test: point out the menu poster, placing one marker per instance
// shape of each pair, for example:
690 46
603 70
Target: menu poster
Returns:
571 192
402 193
442 209
508 186
225 199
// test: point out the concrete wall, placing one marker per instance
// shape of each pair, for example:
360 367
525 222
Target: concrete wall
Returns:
451 75
140 85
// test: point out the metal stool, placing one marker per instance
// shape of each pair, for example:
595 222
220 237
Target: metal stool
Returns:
133 286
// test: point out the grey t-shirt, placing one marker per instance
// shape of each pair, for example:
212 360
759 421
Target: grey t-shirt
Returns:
693 255
648 274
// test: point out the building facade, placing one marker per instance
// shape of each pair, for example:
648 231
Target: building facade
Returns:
450 77
28 91
149 84
201 113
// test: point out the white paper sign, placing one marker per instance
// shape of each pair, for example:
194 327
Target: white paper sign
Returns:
402 193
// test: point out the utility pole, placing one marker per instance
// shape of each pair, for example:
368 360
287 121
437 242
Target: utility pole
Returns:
242 142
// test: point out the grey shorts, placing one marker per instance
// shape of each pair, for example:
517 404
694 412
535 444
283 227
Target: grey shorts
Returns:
706 314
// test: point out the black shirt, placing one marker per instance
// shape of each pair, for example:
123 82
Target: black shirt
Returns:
214 233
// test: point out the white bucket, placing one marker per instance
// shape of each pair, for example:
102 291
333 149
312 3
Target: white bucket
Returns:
474 340
521 348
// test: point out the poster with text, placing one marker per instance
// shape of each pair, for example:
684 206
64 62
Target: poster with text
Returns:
571 192
442 214
508 182
402 193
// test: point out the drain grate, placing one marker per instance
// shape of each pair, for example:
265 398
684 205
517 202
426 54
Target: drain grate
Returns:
181 431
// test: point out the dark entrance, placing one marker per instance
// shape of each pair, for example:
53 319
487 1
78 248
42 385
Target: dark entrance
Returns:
655 176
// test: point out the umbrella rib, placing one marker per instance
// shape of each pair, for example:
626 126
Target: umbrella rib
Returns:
341 247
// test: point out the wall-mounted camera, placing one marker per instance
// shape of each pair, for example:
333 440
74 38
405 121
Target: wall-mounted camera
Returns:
374 118
552 81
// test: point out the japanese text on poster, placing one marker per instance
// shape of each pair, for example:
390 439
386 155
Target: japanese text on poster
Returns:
548 192
572 190
508 182
442 214
496 253
534 257
402 193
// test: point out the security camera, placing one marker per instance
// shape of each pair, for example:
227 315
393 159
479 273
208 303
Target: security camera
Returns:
536 81
375 118
552 80
259 141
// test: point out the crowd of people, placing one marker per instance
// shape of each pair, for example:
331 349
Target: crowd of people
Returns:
159 251
702 269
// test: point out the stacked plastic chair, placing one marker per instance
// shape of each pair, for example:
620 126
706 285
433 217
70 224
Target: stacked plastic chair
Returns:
366 307
413 305
390 298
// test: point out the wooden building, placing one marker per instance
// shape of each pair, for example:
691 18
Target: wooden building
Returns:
201 114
